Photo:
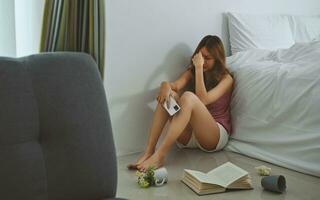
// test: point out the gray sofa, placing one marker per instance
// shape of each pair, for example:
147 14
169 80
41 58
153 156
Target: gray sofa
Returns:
56 139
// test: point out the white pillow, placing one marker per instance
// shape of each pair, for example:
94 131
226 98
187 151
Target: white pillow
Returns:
248 31
305 28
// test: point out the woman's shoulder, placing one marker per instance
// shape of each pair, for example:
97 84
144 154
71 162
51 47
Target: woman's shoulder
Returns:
189 68
188 71
226 78
227 83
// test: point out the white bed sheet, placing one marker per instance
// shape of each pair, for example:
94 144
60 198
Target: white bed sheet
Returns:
275 106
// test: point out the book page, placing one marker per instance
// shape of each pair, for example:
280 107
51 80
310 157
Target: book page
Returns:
242 183
197 174
225 174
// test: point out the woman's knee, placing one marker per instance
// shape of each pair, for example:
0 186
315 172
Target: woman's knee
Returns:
188 98
188 95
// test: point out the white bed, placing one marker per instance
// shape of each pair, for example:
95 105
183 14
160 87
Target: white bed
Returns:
276 104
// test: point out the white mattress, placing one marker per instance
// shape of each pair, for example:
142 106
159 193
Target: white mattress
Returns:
275 106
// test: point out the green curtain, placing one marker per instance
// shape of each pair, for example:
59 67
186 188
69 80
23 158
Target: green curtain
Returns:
75 25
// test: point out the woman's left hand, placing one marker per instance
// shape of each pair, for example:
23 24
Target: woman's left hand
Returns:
198 60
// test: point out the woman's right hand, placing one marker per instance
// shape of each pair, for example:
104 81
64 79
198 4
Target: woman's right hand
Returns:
164 94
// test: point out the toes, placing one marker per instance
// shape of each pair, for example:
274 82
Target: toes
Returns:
132 166
141 168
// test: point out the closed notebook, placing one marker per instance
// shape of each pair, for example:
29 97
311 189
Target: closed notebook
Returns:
226 176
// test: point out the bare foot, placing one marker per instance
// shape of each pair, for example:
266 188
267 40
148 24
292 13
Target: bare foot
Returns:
144 156
155 160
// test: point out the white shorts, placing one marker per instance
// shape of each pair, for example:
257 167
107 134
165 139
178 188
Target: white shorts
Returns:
193 143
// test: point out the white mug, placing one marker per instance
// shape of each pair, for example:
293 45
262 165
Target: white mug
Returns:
160 176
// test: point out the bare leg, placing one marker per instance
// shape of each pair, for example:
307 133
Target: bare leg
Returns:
205 129
160 118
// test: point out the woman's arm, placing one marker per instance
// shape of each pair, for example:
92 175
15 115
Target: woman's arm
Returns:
173 88
200 89
214 94
180 83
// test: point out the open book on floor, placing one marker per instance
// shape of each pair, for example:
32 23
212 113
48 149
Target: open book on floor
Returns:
226 176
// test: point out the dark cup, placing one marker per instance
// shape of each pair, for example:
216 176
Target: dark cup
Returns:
275 183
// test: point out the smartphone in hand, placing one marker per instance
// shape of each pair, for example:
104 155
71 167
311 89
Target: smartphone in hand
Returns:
172 106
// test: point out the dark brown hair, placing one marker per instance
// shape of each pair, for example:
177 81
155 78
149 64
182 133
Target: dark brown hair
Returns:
215 48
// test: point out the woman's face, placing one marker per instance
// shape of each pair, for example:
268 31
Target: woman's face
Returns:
208 59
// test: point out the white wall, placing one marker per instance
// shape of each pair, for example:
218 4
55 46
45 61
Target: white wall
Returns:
7 28
20 23
28 24
149 41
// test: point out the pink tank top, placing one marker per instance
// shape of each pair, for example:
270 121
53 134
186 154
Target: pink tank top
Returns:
220 110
